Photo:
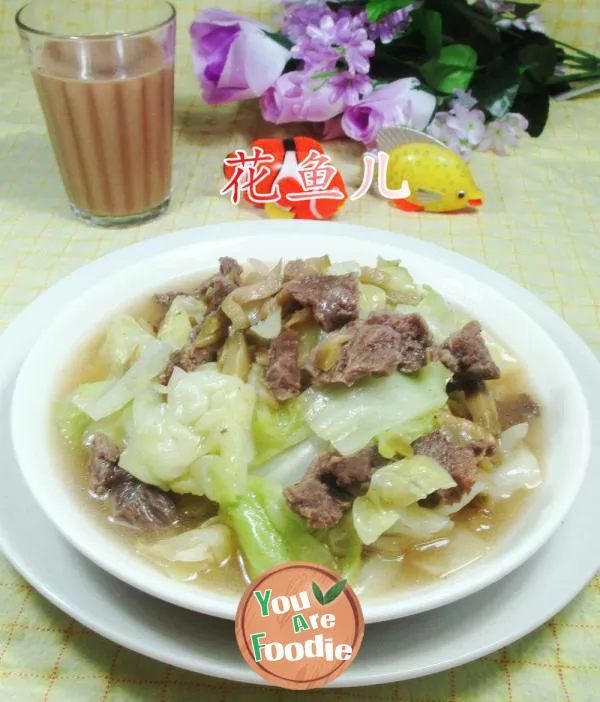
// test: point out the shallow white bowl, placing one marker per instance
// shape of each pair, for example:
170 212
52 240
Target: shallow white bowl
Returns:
566 415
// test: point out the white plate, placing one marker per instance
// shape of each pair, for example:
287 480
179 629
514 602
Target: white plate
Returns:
565 415
432 642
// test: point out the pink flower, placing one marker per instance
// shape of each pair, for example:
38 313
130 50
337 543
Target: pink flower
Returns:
296 97
327 131
469 124
461 129
233 57
465 99
502 133
396 104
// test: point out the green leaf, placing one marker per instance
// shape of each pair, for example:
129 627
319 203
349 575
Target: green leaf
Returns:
376 9
497 86
453 69
466 23
334 591
429 24
318 593
522 9
540 59
535 108
280 39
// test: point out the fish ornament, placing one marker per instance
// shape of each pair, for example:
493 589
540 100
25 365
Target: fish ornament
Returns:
439 180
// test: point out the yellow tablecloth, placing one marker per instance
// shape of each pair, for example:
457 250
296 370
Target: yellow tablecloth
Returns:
539 226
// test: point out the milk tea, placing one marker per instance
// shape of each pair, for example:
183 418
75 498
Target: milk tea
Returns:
108 106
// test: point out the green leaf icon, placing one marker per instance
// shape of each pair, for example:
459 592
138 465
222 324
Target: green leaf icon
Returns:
334 591
317 592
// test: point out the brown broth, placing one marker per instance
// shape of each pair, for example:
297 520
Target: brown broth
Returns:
489 522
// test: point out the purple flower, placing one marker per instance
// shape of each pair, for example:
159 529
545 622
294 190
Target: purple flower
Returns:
400 103
331 37
316 55
503 133
233 57
324 32
349 87
387 29
351 36
298 17
297 97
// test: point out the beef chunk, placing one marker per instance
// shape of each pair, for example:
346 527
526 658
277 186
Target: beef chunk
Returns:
516 409
320 505
332 298
166 299
302 267
467 356
283 374
188 359
231 269
459 461
214 290
143 506
133 502
104 471
330 485
377 346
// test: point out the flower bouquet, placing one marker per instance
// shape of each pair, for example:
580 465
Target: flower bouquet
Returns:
475 74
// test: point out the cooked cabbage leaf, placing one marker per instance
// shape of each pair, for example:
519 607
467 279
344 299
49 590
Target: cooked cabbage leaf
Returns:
343 268
371 299
287 467
198 441
261 544
344 543
152 360
185 311
125 337
192 552
394 280
392 494
350 417
303 546
277 427
397 440
519 470
269 532
450 555
420 522
72 422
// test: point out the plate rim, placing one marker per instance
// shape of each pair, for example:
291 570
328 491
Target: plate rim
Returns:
482 575
165 242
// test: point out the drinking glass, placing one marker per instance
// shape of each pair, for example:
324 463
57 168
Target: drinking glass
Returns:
104 76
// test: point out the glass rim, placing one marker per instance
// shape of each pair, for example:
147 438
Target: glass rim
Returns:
93 37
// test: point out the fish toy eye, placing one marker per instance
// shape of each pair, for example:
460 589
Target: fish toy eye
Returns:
461 194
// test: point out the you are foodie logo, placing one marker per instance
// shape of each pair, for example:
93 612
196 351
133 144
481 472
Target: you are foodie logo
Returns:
299 626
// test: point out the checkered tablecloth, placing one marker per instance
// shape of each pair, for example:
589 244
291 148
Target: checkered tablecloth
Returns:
539 226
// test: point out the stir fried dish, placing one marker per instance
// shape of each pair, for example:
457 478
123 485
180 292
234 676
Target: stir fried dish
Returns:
305 411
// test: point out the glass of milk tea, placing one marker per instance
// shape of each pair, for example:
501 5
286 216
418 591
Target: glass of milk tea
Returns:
104 76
